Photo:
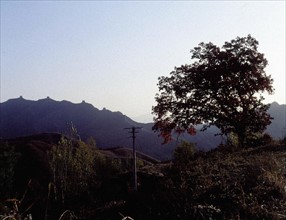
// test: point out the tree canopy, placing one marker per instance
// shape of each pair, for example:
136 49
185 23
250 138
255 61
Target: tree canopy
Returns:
221 87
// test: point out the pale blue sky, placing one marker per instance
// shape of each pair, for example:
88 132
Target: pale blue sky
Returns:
111 53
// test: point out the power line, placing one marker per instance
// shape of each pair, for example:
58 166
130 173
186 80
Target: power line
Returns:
133 132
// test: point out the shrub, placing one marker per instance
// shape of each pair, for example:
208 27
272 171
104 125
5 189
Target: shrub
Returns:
258 139
8 159
72 165
184 153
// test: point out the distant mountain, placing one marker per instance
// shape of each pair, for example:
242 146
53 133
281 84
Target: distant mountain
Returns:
277 129
20 117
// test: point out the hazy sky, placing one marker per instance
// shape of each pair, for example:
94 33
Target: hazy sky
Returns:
111 53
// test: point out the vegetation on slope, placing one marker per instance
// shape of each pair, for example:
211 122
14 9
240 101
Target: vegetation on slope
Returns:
220 184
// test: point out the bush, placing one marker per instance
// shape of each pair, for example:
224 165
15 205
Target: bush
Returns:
258 139
72 165
184 153
8 159
232 140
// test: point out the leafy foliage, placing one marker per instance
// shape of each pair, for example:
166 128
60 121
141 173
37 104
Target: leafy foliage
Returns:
72 165
258 139
184 154
106 168
232 140
8 159
219 88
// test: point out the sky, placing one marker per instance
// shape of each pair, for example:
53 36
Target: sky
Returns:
111 53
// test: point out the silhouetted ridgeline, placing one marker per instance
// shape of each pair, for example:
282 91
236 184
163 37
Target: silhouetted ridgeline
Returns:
20 117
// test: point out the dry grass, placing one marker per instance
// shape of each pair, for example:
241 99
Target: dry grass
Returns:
241 185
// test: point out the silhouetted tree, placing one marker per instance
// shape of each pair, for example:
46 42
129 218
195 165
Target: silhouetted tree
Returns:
220 87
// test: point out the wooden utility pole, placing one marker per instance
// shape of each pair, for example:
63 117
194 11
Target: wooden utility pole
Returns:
133 132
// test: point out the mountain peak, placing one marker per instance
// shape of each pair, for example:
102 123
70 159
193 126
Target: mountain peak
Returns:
20 98
274 104
48 99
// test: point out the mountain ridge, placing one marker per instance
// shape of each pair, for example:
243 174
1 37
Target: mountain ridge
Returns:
21 117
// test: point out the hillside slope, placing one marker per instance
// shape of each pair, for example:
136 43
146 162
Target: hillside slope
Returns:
20 117
219 184
244 184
